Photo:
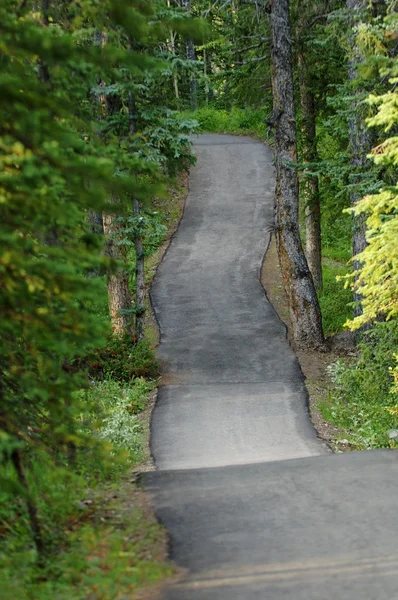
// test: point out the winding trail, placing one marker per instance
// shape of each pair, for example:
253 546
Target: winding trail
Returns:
255 504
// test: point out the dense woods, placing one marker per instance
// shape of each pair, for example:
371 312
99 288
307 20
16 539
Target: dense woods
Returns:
97 103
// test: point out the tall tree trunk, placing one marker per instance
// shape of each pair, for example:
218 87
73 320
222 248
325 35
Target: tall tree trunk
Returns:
175 76
300 290
16 459
44 73
172 49
311 182
191 55
193 84
140 291
207 72
360 145
95 222
139 277
119 296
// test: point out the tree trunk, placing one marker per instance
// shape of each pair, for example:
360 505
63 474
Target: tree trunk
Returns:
175 76
209 92
300 290
191 55
95 222
44 73
360 146
139 278
140 292
119 296
16 459
311 182
193 83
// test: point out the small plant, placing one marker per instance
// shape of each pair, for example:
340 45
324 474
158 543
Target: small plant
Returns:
123 360
249 121
114 413
363 401
334 298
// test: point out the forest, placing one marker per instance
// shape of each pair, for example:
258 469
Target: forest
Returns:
100 102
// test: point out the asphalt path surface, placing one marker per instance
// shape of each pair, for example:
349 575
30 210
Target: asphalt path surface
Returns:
255 504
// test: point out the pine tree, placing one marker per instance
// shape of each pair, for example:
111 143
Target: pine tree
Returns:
301 295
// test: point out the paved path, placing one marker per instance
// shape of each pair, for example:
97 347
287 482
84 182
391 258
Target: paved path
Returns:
255 504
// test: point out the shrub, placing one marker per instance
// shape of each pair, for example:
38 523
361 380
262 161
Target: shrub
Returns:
123 360
334 299
363 401
114 413
236 121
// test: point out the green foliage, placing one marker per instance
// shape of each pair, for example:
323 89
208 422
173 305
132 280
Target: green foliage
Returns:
100 552
84 120
235 121
378 277
334 298
114 413
123 360
69 503
362 402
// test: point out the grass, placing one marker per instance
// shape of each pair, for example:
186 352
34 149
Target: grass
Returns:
237 121
360 402
103 542
334 299
363 401
111 551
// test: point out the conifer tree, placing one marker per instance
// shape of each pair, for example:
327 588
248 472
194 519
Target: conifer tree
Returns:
302 298
57 167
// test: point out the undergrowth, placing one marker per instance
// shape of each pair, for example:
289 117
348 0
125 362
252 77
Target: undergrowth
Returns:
334 299
243 121
97 546
101 540
363 401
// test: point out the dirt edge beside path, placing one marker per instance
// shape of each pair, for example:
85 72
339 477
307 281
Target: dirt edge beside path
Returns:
313 364
129 501
173 206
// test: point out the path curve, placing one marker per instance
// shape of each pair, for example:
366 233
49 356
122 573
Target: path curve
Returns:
255 505
234 390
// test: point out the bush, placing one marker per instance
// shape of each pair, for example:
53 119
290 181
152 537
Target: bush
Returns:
111 428
363 402
123 360
114 414
236 121
334 299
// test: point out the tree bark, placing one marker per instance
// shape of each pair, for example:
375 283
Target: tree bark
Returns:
193 84
44 73
119 296
16 459
172 49
300 290
311 182
175 76
360 146
140 291
191 55
139 278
